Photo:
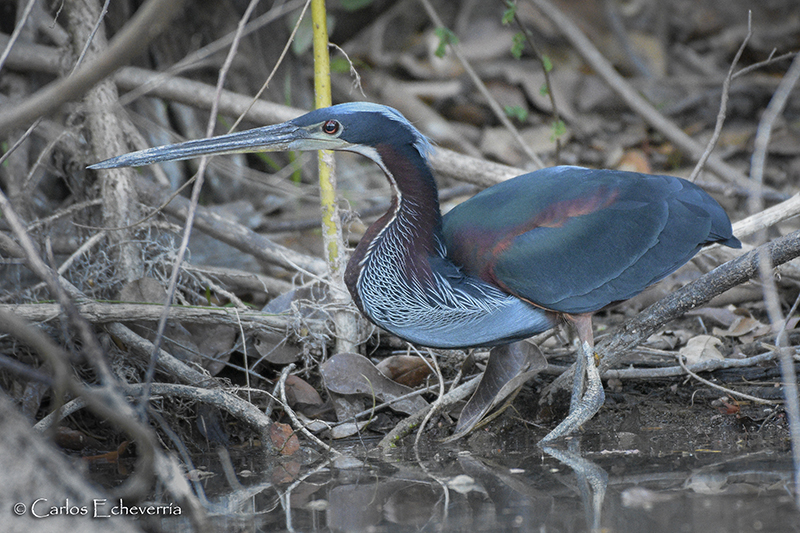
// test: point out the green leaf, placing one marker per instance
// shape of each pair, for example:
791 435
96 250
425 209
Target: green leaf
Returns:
517 45
509 14
340 65
559 129
543 90
445 37
548 65
516 111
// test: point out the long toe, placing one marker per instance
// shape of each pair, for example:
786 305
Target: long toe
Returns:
591 401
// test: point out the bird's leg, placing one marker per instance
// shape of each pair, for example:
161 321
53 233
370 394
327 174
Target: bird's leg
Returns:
583 405
578 378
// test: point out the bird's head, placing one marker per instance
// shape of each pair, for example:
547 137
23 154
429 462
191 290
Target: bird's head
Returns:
357 127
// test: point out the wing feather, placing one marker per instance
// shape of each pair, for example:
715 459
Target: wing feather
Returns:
574 240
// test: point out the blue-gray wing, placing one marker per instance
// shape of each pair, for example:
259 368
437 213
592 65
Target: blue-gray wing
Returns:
574 240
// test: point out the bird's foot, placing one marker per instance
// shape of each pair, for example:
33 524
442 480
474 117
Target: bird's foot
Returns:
583 405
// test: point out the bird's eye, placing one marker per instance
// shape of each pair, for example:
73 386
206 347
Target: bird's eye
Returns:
331 127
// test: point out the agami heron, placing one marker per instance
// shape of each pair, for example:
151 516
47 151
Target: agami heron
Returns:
555 244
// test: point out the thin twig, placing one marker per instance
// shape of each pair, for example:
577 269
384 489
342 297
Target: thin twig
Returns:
720 387
437 404
547 81
723 103
213 286
767 62
496 109
94 31
387 404
21 139
299 426
353 72
64 212
672 371
21 21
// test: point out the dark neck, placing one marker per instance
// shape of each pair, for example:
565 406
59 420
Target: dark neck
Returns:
417 196
413 221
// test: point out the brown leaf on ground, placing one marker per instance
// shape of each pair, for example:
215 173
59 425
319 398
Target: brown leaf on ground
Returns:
298 391
744 326
354 374
284 438
408 370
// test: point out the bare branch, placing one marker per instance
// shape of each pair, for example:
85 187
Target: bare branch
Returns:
150 20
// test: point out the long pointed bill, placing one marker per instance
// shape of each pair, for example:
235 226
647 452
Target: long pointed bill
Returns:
275 138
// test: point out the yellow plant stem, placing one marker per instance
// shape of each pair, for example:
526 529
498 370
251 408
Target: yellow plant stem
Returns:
346 327
322 98
322 63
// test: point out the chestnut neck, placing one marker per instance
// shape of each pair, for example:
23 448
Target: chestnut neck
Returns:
412 225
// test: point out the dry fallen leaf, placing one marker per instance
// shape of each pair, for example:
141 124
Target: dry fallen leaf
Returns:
701 348
408 370
283 438
508 368
669 339
298 391
285 472
354 374
726 407
635 161
743 326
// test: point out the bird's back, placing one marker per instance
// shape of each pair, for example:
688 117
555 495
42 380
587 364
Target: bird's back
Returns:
574 240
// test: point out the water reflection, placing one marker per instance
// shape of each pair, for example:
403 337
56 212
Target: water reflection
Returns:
509 489
591 480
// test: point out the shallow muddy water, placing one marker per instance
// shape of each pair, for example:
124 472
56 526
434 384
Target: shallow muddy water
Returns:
511 487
